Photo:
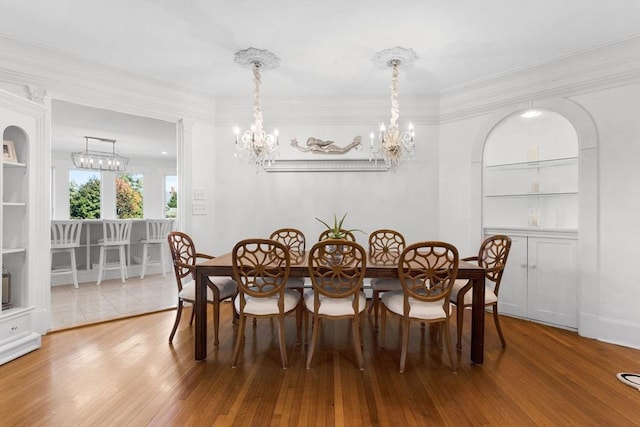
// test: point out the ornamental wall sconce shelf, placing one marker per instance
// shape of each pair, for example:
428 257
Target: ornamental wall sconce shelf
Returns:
319 146
318 165
99 160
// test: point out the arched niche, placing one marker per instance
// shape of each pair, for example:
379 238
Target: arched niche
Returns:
588 231
530 172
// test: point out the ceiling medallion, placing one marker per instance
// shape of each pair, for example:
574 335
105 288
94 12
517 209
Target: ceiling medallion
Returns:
251 57
398 55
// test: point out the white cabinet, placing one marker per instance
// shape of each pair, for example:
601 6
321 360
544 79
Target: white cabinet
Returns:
540 281
24 233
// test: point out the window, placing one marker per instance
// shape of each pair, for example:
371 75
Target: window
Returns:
170 196
129 201
84 194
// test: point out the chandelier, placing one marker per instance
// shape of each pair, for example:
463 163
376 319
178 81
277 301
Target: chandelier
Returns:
256 146
101 160
393 145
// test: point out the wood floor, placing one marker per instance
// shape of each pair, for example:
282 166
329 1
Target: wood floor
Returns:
124 373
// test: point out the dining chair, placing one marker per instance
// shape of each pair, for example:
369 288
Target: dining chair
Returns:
65 238
492 256
185 257
116 236
348 235
337 269
426 271
295 242
261 268
156 236
385 247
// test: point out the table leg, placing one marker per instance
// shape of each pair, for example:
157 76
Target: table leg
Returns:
477 321
201 317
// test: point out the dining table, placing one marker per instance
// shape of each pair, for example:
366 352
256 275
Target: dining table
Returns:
375 268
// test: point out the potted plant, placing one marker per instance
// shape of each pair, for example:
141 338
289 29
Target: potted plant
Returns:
336 231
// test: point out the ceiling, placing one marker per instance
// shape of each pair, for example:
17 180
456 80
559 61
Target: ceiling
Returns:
325 47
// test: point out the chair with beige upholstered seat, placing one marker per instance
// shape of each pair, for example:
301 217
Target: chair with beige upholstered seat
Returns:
261 268
337 269
385 247
185 257
492 255
295 242
427 271
65 238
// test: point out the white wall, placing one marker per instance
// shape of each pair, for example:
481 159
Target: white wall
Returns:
615 112
249 204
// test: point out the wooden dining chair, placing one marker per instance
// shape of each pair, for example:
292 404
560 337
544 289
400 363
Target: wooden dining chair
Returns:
185 257
295 242
261 268
427 271
337 269
492 256
385 247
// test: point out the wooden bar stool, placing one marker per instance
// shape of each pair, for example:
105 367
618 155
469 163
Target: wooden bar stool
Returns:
116 235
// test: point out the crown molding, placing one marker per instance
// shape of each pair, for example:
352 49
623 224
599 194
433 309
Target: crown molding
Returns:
612 65
80 80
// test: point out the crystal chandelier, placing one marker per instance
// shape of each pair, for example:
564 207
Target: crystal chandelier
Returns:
393 145
256 146
101 160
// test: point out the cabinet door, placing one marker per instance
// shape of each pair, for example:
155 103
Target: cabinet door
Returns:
512 298
552 278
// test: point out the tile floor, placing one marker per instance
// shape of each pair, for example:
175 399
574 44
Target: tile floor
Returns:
111 300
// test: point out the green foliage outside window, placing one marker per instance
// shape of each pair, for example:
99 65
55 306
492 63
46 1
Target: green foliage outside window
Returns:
84 199
129 196
172 205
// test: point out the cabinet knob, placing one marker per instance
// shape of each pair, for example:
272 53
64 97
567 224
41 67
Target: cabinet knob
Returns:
532 266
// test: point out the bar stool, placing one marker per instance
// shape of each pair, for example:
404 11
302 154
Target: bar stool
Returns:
116 235
157 231
65 238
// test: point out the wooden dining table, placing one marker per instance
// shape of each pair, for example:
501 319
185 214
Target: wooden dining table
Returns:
222 266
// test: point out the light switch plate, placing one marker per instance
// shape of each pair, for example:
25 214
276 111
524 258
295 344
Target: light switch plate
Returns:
199 209
198 194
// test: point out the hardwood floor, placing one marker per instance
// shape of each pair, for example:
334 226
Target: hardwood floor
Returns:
125 373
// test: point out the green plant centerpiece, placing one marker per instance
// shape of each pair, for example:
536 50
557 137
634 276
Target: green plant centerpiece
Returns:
336 231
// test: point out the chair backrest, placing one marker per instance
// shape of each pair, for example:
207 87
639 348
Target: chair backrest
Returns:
427 271
65 234
385 246
183 254
116 231
261 269
493 255
157 229
292 238
337 268
348 235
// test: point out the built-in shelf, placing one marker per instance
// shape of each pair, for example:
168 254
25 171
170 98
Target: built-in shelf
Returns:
14 204
534 164
14 165
540 194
